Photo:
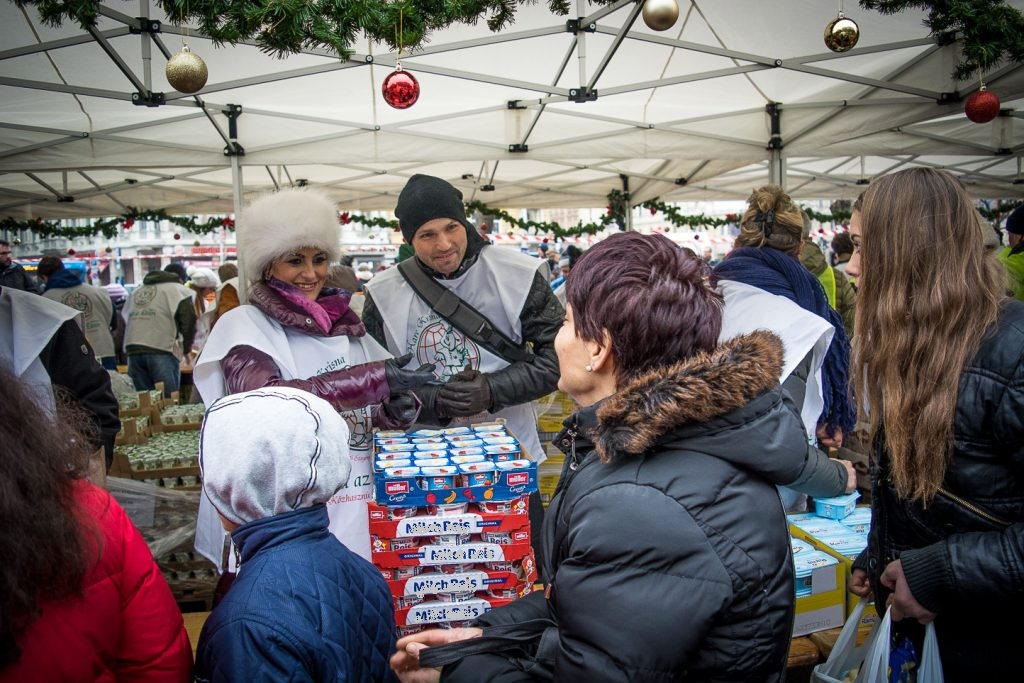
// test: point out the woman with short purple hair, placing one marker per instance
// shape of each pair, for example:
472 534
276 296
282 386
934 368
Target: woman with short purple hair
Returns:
668 556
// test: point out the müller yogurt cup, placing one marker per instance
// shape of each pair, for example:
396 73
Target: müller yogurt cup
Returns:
456 596
463 459
392 440
454 431
407 601
450 539
508 465
433 462
438 478
478 473
428 439
431 454
499 537
502 506
397 447
496 440
401 472
446 510
388 463
503 451
469 441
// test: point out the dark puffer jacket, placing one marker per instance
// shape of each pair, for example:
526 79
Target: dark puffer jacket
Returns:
961 564
303 608
671 561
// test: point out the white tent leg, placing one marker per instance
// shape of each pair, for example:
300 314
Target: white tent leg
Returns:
236 192
777 168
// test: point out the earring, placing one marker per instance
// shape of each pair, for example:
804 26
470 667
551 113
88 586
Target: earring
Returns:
588 367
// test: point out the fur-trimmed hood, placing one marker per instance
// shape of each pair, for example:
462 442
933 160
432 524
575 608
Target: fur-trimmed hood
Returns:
689 394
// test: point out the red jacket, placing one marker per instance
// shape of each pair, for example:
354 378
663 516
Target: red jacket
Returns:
125 626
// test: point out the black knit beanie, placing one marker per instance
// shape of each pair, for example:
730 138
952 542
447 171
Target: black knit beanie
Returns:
425 198
1015 223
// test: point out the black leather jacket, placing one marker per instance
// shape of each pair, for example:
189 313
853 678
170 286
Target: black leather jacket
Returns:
964 560
670 561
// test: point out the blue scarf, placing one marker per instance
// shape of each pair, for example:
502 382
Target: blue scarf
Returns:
62 279
779 273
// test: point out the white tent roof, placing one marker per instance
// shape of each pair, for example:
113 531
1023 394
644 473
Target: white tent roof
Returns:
681 113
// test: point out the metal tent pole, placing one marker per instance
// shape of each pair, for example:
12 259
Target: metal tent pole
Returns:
236 152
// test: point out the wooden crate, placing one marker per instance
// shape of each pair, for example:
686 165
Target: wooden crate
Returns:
131 434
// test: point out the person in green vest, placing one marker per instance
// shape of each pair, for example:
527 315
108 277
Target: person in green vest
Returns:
838 290
1012 255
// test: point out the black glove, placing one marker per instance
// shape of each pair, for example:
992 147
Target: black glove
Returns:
400 379
467 393
401 407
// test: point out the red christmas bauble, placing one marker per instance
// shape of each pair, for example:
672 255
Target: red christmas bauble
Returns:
982 106
400 89
177 235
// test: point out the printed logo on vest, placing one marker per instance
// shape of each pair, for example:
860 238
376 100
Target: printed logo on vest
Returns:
436 341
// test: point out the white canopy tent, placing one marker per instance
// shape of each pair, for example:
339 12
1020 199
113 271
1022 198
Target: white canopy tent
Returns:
683 114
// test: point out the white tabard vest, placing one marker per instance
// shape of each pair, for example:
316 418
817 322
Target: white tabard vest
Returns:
149 314
96 308
496 285
27 323
749 308
298 356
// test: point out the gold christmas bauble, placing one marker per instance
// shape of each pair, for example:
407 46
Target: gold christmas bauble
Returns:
660 15
841 34
186 71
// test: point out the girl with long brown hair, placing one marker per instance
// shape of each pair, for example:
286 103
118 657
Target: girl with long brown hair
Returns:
939 366
81 598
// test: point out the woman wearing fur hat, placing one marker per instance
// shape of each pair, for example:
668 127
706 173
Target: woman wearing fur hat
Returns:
296 332
668 556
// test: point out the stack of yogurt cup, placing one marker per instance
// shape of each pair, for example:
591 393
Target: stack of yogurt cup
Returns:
441 461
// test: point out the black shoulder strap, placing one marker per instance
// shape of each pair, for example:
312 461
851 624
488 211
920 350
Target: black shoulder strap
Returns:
460 314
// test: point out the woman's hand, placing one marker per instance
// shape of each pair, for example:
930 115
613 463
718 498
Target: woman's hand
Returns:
903 603
406 660
834 441
400 379
860 584
851 475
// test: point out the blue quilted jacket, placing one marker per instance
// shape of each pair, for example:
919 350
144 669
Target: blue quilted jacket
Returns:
303 608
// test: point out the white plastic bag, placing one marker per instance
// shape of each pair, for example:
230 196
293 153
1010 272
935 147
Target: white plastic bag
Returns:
930 669
845 654
875 668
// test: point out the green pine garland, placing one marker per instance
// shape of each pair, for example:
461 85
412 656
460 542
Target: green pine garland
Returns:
992 31
996 214
616 209
545 227
108 227
835 216
282 27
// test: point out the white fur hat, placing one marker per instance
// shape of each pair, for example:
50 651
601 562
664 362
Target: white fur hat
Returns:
272 450
203 277
282 221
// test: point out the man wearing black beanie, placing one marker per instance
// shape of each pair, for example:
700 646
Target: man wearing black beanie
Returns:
483 380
